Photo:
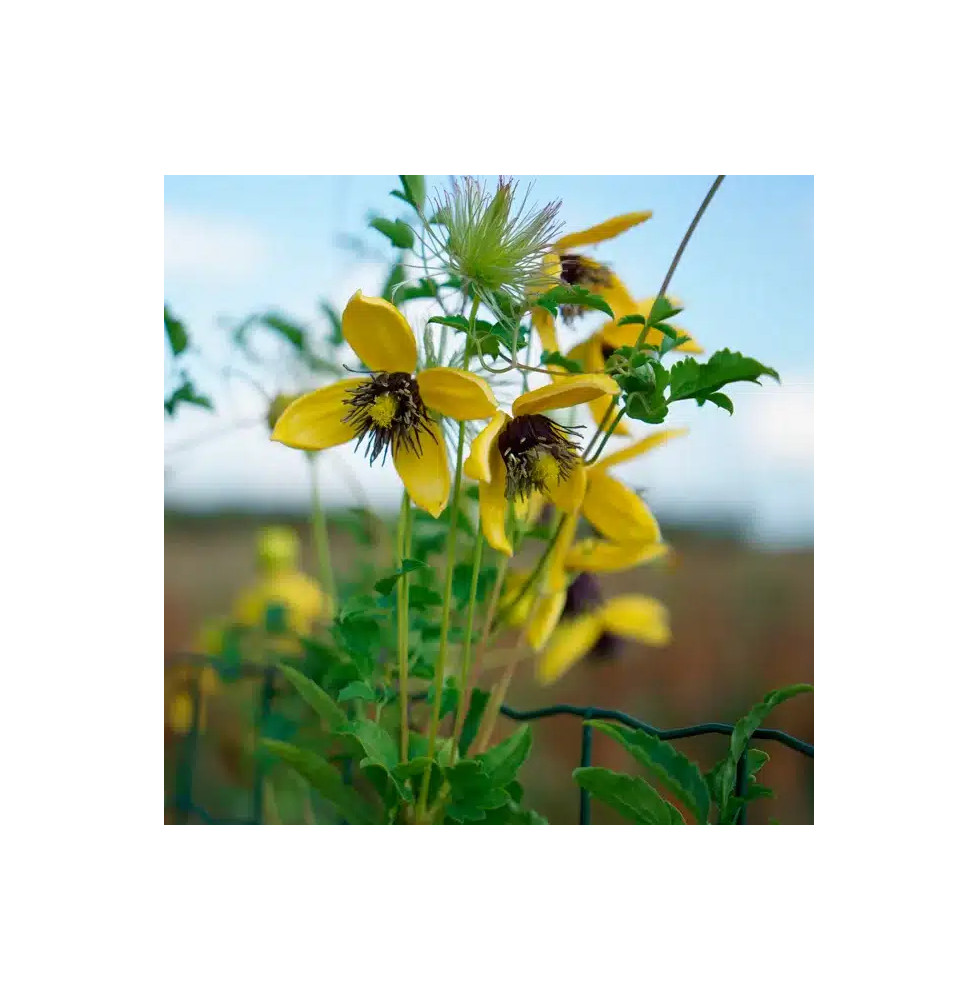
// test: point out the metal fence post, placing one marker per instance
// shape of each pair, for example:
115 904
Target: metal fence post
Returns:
740 789
586 735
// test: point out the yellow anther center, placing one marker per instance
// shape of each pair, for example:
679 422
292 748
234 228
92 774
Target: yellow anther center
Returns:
383 410
547 471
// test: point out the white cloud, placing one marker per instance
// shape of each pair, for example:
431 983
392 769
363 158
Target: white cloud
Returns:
205 248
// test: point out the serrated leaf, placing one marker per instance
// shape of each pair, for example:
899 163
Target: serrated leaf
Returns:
691 379
455 322
632 319
634 798
399 233
316 698
678 774
663 308
503 761
176 332
387 584
326 779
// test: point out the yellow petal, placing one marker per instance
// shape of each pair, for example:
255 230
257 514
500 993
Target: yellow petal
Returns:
597 556
492 504
477 465
556 574
546 328
565 392
568 493
528 509
459 395
618 512
379 334
639 447
603 231
516 614
544 618
571 641
315 420
619 298
548 277
426 476
633 616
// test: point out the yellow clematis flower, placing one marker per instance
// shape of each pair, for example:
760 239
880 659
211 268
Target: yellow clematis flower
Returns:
389 408
563 267
518 456
628 616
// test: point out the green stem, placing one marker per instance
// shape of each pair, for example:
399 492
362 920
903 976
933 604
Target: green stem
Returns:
321 534
446 611
403 584
607 436
467 641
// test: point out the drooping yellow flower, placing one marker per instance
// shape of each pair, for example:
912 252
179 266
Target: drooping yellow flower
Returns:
629 616
389 408
563 267
514 457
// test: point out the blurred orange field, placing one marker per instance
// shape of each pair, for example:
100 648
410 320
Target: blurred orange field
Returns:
742 621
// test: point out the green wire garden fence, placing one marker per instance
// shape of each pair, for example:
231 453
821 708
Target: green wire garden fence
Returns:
186 809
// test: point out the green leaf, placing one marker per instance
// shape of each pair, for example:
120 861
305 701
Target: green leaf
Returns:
718 398
176 332
677 773
632 319
455 322
632 797
690 379
573 295
477 706
358 689
387 584
399 233
377 743
503 761
556 358
425 289
414 188
663 308
186 394
326 779
395 279
449 697
424 597
316 698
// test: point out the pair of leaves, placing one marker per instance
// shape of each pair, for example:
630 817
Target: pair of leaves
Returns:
398 232
672 769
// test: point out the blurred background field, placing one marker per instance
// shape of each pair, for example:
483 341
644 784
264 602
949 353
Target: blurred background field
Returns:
742 624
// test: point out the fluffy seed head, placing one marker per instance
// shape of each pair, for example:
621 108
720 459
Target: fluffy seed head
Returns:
493 240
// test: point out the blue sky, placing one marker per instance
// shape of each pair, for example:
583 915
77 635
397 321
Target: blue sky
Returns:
237 244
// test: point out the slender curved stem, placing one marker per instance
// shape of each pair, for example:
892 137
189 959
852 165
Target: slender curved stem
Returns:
467 642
